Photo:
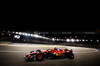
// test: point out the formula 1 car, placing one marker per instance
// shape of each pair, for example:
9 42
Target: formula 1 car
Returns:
50 53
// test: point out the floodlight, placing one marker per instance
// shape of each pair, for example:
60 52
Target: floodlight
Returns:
68 40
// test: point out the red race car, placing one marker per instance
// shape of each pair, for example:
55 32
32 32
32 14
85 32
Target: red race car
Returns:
50 53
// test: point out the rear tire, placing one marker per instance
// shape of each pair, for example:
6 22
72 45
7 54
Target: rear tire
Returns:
71 56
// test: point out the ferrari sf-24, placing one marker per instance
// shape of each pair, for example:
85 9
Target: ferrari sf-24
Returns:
50 53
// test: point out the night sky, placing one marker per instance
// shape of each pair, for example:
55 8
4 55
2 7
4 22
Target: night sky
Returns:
50 23
49 19
50 27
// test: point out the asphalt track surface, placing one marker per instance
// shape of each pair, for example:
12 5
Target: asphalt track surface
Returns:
13 55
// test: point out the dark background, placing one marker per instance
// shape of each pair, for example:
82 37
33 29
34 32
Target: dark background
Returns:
48 26
82 17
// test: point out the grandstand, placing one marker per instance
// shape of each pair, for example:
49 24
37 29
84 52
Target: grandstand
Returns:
51 37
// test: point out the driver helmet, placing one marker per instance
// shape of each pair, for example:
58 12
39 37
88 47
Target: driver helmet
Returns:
55 48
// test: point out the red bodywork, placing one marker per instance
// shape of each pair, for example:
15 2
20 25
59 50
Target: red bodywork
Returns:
50 53
57 52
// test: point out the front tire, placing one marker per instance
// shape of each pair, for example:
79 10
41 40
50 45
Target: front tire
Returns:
39 57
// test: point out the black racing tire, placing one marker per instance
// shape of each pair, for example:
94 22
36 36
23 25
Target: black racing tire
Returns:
39 57
71 56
